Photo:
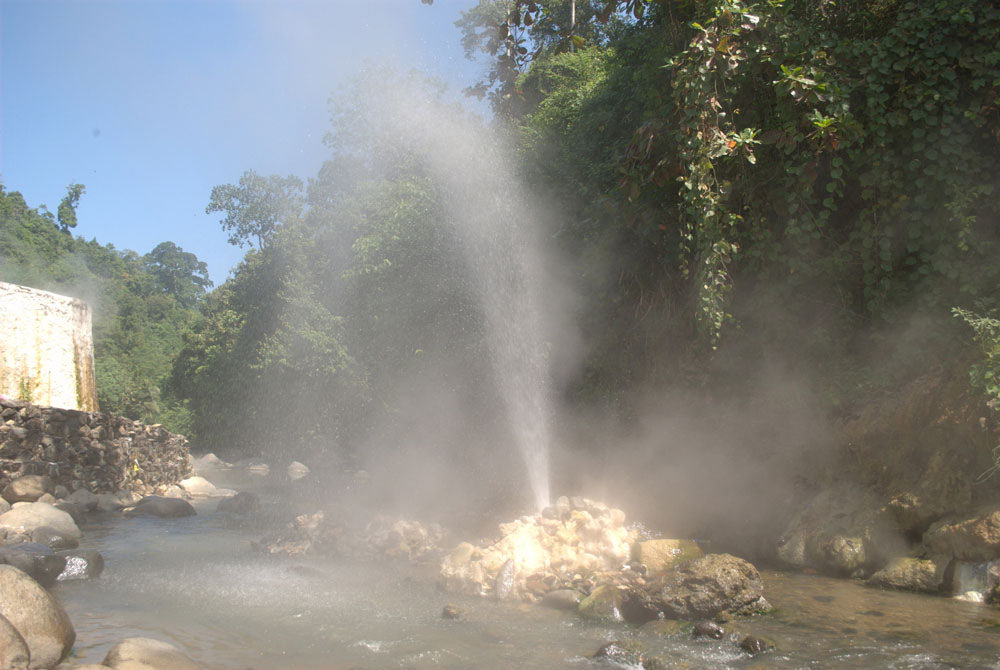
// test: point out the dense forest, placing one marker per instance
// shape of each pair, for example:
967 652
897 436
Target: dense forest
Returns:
738 184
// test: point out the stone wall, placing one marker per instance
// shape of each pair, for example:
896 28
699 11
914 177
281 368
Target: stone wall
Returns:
102 452
47 350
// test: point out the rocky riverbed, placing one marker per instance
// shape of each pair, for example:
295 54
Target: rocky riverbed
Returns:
577 581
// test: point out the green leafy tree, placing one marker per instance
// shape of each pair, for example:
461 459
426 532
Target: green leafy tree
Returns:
256 207
178 273
67 208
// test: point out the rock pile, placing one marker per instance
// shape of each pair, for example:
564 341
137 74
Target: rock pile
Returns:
572 540
94 450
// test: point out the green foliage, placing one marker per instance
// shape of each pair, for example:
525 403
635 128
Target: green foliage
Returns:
985 375
67 208
256 207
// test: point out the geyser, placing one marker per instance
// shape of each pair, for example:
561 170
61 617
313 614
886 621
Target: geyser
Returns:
490 209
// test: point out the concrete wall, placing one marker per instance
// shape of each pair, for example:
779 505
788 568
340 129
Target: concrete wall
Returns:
46 349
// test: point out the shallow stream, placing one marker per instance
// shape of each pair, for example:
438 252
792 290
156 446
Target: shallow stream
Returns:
196 583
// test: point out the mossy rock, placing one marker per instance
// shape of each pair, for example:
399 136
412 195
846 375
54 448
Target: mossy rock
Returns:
661 555
603 604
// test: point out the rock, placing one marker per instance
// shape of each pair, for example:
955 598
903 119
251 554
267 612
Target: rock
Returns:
504 586
242 504
708 629
36 560
84 499
113 502
209 462
198 486
143 653
259 469
28 488
622 652
40 620
297 471
75 512
909 574
639 605
712 584
60 491
4 506
166 508
42 519
47 498
450 611
668 627
603 604
842 531
976 538
81 564
661 555
174 491
562 599
53 538
756 645
13 649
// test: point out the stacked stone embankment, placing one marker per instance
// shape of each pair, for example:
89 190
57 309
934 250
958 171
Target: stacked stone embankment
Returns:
98 451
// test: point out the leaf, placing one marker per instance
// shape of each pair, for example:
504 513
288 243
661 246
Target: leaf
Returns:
527 19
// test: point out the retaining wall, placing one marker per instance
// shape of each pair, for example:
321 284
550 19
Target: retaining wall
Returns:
100 451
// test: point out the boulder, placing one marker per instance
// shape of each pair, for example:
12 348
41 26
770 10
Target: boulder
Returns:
976 538
42 520
40 620
114 502
74 511
562 599
844 530
756 645
174 491
661 555
81 564
36 560
28 488
144 653
4 506
209 462
158 506
603 604
243 504
625 653
297 471
13 649
198 486
83 499
712 584
909 574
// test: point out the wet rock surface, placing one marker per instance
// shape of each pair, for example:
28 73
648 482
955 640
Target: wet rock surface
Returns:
42 523
710 585
145 653
910 574
37 616
159 506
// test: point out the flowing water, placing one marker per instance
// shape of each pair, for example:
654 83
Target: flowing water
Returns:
196 583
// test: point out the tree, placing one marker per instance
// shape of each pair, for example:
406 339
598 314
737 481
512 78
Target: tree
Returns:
256 207
178 273
67 208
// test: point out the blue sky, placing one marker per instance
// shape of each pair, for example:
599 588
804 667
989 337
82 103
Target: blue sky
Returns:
150 103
